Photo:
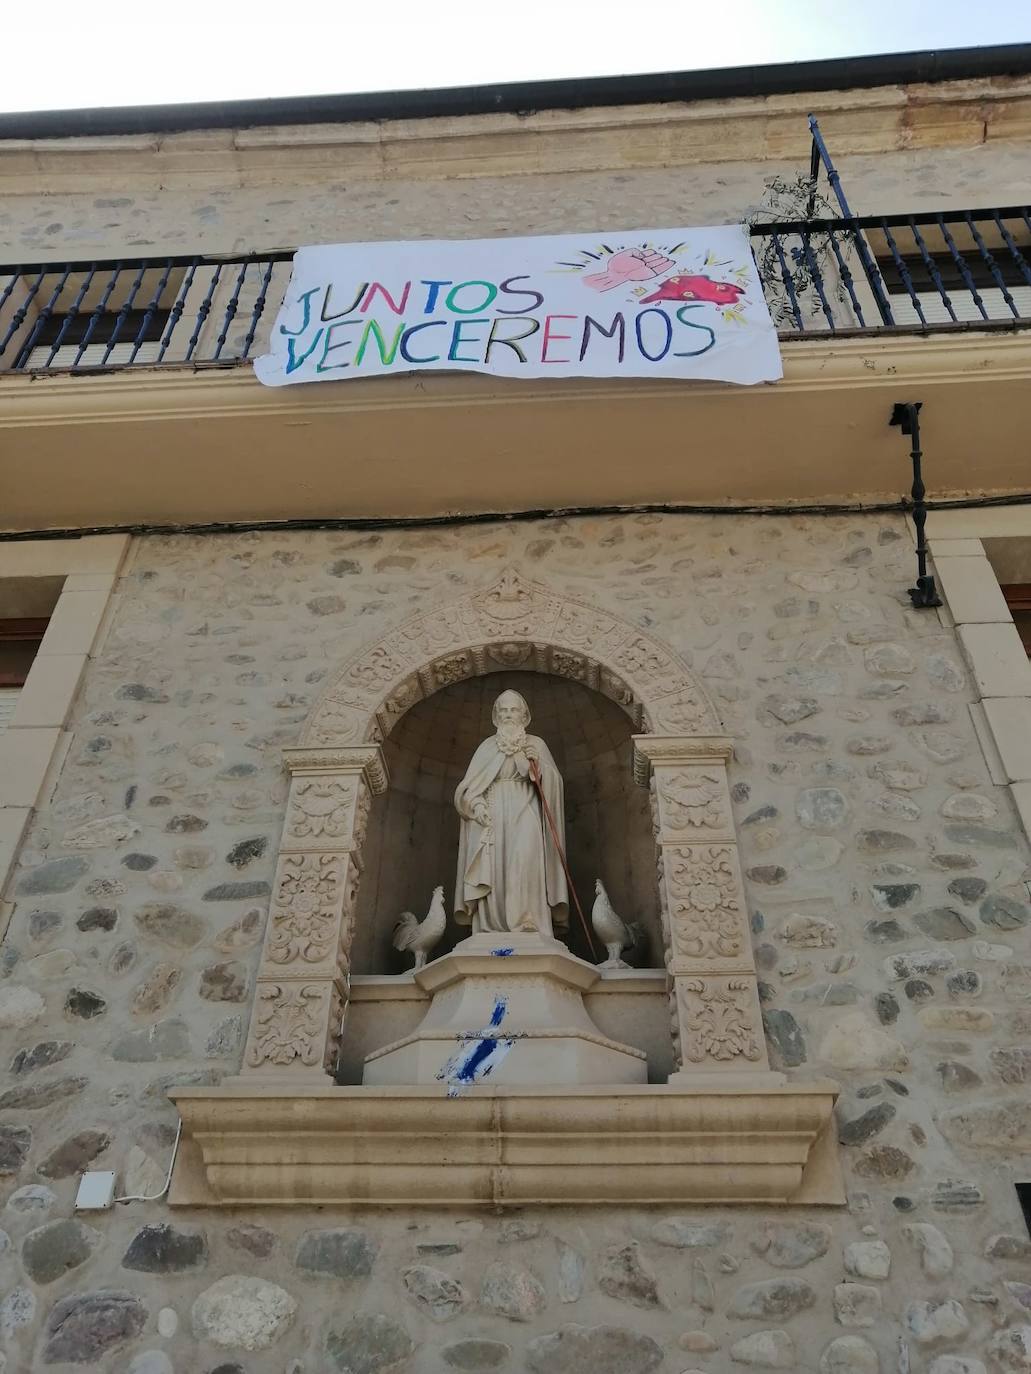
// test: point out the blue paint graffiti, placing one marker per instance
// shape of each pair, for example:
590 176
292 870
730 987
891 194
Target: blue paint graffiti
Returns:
502 953
479 1056
475 1065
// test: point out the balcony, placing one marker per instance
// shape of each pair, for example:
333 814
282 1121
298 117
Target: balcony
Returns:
126 391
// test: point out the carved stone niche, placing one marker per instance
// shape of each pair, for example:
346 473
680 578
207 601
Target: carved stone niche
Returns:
723 1129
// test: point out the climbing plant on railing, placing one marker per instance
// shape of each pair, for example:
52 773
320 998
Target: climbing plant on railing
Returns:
801 272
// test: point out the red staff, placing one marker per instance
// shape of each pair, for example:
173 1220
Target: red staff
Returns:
535 778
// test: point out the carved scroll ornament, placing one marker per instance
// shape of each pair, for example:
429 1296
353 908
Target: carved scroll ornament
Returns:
513 623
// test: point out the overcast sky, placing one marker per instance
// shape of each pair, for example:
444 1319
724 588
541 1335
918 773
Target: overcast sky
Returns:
122 52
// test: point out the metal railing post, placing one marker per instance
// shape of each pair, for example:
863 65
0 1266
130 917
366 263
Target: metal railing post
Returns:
870 268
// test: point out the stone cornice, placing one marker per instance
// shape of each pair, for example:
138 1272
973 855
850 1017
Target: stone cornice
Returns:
680 749
660 135
366 759
713 1141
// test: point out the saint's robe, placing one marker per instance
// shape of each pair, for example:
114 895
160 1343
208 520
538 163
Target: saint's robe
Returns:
510 876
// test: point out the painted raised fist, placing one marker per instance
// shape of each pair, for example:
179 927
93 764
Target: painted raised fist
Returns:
630 264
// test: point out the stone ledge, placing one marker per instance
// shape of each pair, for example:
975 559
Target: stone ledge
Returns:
446 1034
716 1142
402 987
663 134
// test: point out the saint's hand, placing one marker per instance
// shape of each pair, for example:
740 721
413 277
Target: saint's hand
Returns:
481 811
531 750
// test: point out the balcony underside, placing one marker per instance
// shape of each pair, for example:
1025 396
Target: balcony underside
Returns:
173 445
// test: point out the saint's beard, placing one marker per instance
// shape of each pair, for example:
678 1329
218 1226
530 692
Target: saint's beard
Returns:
511 738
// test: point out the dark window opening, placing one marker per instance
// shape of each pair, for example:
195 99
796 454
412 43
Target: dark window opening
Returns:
1018 599
949 272
113 310
19 644
103 328
95 331
1024 1198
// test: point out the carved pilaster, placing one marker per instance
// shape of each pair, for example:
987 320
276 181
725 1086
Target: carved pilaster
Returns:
714 1000
301 991
707 920
295 1025
311 893
722 1022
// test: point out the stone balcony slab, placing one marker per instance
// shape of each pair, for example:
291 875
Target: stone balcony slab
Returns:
630 1144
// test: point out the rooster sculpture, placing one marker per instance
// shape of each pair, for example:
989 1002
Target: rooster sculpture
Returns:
610 928
420 937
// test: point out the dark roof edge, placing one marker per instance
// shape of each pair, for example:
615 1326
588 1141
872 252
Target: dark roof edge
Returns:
841 73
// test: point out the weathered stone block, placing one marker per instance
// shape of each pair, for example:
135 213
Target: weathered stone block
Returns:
475 1356
51 1250
593 1350
84 1327
369 1343
772 1299
868 1259
623 1274
790 1246
242 1312
74 1155
765 1350
513 1293
341 1254
439 1295
164 1249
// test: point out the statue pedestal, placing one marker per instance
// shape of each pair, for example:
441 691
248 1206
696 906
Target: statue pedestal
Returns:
508 1009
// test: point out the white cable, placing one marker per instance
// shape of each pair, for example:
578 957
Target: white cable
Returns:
153 1197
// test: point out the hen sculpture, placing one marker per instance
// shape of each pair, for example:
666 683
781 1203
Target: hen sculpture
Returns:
420 937
610 928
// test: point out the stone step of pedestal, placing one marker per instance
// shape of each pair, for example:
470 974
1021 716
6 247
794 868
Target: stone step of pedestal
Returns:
511 1013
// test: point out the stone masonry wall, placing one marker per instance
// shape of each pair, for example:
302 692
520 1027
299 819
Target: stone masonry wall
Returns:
886 882
242 219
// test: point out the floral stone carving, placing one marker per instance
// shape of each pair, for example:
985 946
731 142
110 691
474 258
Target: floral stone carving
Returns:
293 1025
306 908
517 623
705 901
694 799
320 810
719 1019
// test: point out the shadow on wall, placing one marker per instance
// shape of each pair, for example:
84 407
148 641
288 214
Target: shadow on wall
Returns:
412 839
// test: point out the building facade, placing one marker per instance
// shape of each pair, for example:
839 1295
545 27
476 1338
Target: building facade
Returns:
250 639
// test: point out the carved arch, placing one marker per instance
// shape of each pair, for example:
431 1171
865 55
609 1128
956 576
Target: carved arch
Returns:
512 624
338 766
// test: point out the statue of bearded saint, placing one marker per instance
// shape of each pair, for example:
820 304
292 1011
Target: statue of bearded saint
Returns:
510 875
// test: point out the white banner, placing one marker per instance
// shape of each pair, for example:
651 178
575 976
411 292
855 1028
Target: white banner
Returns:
645 303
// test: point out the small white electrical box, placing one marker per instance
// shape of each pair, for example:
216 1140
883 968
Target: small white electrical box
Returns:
96 1191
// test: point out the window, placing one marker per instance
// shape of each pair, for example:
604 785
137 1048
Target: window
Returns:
100 315
96 332
985 258
1018 599
26 605
949 271
19 643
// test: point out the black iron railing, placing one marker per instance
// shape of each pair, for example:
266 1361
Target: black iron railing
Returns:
921 273
138 311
